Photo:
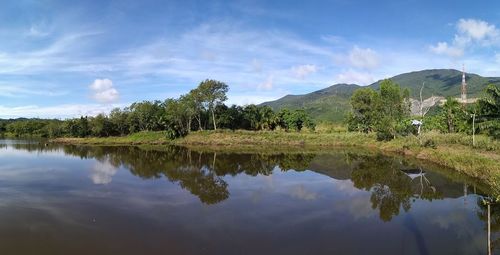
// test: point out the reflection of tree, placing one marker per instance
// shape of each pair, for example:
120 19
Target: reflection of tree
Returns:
198 172
391 189
210 188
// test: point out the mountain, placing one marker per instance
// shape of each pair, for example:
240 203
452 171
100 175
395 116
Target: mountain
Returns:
331 104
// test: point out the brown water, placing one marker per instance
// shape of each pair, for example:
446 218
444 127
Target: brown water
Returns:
127 200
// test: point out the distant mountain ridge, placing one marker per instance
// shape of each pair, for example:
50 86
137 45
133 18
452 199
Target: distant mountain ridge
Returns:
331 103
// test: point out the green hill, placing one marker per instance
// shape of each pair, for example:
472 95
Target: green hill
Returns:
331 104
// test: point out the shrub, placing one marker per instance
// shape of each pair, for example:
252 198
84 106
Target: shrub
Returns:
430 143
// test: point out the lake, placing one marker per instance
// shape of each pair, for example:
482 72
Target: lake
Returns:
57 199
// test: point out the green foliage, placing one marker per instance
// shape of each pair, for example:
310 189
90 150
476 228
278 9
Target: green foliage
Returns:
32 127
78 127
146 116
489 112
392 109
455 116
451 117
294 120
212 93
230 117
101 126
120 121
177 117
332 104
385 112
364 113
430 143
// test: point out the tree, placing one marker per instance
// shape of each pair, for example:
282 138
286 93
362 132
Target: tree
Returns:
189 106
451 107
119 120
54 129
176 118
384 112
78 127
146 116
364 113
100 126
252 116
213 93
489 111
455 116
391 109
267 118
295 120
197 103
230 117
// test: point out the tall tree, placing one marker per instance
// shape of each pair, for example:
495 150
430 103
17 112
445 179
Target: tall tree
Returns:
197 98
214 93
188 104
119 119
392 108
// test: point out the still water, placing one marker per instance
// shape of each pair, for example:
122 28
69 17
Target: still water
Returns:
127 200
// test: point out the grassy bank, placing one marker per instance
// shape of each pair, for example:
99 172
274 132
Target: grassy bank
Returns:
451 150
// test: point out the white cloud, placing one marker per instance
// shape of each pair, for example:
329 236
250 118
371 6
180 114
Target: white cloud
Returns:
363 58
237 65
470 32
476 29
37 31
303 70
251 99
57 111
103 91
443 48
59 56
17 91
355 77
332 39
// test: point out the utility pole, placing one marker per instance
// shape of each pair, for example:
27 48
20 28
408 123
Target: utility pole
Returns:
473 130
464 87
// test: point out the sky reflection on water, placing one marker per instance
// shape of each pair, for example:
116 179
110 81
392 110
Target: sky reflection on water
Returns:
127 200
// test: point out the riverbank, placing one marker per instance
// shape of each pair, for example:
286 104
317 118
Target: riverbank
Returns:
450 150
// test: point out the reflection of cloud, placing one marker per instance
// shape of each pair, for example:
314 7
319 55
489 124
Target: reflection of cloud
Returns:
257 195
346 187
300 192
457 218
102 172
360 207
358 201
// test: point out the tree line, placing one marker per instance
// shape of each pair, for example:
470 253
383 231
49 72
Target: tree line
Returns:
201 109
387 112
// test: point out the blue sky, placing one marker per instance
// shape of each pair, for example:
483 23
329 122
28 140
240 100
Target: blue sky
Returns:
61 59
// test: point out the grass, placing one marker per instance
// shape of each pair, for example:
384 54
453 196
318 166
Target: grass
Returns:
153 138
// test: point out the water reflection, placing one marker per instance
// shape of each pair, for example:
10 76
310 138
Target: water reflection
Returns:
102 172
363 186
394 183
